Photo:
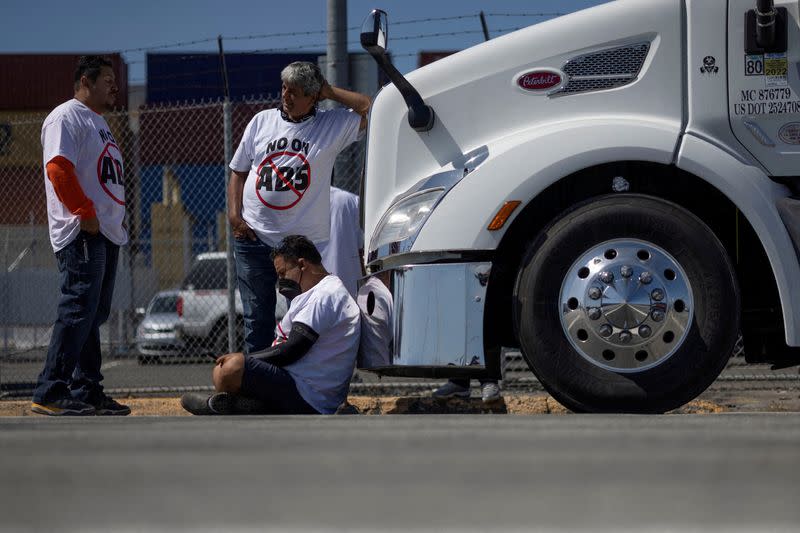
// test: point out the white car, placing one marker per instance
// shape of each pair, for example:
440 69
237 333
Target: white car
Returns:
202 306
155 335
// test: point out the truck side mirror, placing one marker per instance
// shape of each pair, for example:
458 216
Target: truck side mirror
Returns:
375 32
374 39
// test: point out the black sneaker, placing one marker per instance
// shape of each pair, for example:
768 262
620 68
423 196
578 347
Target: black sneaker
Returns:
222 403
63 407
197 403
225 403
107 406
244 405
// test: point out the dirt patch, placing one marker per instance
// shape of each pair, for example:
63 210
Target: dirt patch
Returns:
512 404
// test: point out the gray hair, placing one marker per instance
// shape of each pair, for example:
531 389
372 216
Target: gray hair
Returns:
305 75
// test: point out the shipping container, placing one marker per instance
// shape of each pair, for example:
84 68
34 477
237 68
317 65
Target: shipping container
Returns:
178 77
21 178
20 138
23 200
43 81
191 134
199 193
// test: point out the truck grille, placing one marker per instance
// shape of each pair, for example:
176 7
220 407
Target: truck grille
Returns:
607 69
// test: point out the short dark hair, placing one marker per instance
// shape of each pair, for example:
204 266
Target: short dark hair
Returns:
294 247
90 66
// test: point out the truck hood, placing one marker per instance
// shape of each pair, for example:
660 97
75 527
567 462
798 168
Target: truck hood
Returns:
478 102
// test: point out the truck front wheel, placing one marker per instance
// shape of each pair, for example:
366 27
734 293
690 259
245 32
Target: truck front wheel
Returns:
626 304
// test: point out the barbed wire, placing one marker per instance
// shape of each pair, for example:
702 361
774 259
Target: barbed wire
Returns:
319 46
321 32
163 46
554 14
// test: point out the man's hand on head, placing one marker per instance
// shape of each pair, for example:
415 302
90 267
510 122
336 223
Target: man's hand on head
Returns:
325 91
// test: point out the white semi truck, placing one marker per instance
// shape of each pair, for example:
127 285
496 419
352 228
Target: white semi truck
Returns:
616 192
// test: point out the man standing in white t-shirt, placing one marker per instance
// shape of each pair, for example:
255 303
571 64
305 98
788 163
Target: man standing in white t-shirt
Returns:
342 253
308 368
280 184
84 183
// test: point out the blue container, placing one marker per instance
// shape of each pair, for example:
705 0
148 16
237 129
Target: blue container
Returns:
202 195
176 77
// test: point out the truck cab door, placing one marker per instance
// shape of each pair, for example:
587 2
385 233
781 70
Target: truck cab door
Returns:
764 85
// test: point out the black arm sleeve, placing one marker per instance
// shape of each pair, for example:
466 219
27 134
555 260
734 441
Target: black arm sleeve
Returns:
301 339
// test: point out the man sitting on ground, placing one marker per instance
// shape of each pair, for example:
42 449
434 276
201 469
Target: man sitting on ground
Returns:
308 368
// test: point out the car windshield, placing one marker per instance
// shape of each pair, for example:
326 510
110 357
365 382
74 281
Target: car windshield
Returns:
164 304
207 274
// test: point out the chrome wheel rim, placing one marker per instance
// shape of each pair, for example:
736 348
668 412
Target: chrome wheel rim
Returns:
626 305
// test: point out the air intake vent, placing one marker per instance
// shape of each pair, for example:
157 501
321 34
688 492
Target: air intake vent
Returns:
604 70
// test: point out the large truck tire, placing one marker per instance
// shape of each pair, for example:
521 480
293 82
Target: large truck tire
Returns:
627 304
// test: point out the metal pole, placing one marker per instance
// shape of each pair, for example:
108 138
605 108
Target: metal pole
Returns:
231 268
337 60
227 121
134 235
485 27
337 71
224 69
6 293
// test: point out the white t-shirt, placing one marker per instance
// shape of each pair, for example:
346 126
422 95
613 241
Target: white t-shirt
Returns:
77 133
376 304
340 254
323 374
290 164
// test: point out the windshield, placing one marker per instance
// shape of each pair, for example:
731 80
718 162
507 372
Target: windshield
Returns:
207 274
164 304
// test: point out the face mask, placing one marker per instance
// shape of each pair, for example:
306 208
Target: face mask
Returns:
289 288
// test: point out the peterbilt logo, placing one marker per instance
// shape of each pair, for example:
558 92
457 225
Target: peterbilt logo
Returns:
539 80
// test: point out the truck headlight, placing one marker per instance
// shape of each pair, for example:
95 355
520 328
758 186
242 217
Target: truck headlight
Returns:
403 220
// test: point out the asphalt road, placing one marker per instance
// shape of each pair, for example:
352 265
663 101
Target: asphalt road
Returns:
715 472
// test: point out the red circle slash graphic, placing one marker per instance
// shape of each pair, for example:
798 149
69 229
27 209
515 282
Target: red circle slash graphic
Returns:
290 195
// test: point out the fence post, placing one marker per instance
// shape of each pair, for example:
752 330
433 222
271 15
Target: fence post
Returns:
228 141
5 294
228 124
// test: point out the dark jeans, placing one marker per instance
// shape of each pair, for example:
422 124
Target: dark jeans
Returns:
275 387
88 267
257 277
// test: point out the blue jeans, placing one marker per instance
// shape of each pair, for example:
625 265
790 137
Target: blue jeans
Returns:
88 268
257 278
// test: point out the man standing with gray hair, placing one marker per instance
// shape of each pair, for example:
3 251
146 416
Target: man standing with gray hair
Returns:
280 184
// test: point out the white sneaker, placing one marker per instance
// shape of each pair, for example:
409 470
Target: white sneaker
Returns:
451 390
490 392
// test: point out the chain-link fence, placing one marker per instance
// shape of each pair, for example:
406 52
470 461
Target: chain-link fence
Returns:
171 298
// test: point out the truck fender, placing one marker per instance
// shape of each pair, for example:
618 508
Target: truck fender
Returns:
522 165
755 195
